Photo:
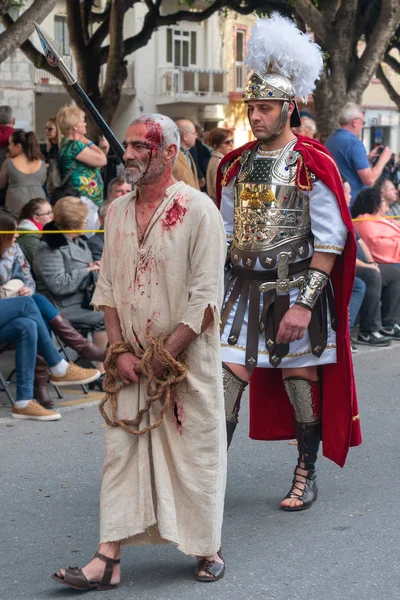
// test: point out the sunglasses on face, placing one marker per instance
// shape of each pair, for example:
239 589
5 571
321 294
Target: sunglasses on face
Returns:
230 141
49 128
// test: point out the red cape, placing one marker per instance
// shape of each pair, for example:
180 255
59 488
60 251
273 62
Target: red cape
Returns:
271 415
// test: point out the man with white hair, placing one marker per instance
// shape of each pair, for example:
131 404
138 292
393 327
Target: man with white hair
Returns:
349 152
307 127
161 285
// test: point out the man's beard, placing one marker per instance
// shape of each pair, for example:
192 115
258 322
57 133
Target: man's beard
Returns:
134 177
143 174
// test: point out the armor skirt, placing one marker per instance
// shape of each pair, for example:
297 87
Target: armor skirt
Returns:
249 325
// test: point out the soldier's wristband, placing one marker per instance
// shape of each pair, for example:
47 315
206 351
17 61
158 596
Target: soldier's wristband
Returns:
314 284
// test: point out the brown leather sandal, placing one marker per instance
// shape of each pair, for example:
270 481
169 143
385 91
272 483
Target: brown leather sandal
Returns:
76 579
214 569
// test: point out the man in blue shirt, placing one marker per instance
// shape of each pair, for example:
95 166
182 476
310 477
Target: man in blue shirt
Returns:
350 154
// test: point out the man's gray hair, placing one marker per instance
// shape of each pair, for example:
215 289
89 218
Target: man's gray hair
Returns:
170 131
6 114
310 124
350 111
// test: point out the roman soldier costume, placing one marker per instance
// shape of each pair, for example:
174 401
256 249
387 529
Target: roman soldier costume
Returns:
279 208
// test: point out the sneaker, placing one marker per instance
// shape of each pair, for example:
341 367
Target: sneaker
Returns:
354 348
374 338
34 411
75 376
392 331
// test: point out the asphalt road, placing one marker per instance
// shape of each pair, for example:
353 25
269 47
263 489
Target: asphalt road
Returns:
346 547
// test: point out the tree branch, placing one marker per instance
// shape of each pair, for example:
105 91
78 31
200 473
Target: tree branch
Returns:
393 95
74 22
392 62
309 13
378 41
20 30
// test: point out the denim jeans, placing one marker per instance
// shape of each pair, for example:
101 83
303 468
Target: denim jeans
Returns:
46 308
356 300
21 323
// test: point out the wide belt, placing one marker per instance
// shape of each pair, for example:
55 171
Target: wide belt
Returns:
248 287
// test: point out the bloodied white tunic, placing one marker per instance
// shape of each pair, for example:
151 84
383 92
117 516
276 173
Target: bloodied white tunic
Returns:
168 484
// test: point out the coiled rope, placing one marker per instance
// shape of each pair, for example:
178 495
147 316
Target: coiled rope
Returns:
157 389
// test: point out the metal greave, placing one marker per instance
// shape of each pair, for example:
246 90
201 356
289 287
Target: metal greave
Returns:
234 387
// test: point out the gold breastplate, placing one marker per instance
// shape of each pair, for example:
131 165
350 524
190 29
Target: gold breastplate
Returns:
269 209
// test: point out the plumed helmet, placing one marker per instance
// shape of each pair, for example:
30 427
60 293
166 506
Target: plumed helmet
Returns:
285 63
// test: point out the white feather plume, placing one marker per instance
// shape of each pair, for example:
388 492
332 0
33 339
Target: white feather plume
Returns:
276 44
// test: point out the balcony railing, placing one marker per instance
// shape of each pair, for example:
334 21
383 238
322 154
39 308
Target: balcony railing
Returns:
184 83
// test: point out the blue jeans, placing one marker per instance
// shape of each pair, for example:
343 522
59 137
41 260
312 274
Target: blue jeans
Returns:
21 323
356 300
46 308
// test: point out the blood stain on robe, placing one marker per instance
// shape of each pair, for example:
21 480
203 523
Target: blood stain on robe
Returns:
174 215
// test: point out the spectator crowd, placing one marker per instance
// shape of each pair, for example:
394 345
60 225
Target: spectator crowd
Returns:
63 188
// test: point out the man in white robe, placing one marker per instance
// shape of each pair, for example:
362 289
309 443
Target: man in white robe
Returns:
162 274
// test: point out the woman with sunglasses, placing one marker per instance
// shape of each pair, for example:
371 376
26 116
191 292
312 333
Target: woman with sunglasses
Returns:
50 148
221 141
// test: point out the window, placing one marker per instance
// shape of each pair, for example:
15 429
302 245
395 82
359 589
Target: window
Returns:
61 35
240 39
181 47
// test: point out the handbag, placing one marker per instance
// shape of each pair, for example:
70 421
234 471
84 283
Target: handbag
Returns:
89 290
11 288
54 177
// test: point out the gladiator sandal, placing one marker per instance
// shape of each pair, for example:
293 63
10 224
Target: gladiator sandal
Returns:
304 487
305 397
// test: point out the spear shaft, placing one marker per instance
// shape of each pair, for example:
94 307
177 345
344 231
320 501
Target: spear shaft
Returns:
55 59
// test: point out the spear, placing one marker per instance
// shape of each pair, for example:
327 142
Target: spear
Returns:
55 59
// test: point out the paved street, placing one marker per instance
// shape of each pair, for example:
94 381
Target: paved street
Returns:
345 547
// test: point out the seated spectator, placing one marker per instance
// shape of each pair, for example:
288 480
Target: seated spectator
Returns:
62 266
356 300
118 187
81 159
96 243
221 141
33 217
391 196
25 172
21 324
380 308
185 167
380 234
14 268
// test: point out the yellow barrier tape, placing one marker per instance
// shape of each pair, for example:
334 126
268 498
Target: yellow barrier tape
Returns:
37 231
